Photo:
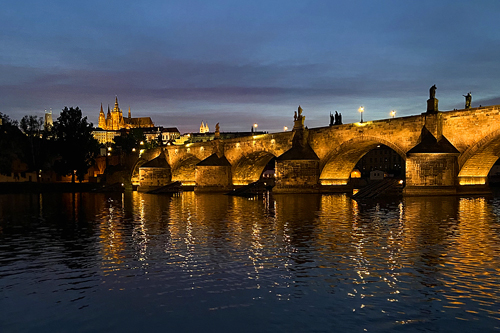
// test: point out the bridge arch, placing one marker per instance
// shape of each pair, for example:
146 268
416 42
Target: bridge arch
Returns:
249 168
336 168
476 162
143 158
184 170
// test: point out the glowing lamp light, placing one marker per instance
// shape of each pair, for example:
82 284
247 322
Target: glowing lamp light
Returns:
285 128
361 110
355 173
393 113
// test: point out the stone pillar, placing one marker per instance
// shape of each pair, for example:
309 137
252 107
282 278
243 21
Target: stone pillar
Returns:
432 105
431 166
431 174
152 178
213 178
213 174
297 170
154 174
296 176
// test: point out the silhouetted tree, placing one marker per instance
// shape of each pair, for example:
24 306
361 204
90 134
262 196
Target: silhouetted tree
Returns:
75 143
133 139
32 126
124 143
11 143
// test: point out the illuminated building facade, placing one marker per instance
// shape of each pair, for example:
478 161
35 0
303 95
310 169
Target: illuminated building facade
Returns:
114 120
48 122
204 128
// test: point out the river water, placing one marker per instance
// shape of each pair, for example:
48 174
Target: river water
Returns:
128 262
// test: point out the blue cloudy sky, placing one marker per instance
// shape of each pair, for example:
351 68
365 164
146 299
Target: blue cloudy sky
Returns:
245 62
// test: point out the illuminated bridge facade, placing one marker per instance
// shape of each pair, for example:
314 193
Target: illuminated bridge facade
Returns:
443 151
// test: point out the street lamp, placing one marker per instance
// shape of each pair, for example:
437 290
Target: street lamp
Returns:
393 113
285 128
361 110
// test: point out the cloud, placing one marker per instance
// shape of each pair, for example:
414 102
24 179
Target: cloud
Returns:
183 62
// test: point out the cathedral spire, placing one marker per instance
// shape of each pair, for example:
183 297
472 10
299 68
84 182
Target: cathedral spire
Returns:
109 112
129 114
102 119
116 103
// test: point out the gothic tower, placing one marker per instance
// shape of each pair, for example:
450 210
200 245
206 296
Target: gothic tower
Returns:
102 119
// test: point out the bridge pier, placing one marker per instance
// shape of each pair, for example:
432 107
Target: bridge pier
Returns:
213 174
297 176
154 174
431 166
297 170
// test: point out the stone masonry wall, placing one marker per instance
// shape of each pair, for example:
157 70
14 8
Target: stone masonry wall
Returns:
213 178
297 174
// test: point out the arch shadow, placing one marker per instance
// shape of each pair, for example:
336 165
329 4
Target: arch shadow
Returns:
336 168
249 168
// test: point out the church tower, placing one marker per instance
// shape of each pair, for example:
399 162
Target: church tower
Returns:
102 119
109 121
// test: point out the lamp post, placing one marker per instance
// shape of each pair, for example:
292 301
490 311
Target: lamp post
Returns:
285 128
361 110
393 113
254 127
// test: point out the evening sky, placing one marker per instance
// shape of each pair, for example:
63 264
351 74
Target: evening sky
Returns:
245 62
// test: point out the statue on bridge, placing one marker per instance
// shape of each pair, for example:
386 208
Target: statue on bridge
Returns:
217 131
432 102
298 119
432 92
335 119
468 100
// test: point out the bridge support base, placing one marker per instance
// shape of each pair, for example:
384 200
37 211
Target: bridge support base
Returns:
297 176
213 179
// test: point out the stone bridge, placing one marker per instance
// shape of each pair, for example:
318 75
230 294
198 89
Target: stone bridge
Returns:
443 151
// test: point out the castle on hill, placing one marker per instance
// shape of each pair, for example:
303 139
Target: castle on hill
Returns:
115 121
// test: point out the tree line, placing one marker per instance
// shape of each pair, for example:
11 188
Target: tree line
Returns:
68 147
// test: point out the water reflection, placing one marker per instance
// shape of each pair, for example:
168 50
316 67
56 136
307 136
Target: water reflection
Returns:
298 262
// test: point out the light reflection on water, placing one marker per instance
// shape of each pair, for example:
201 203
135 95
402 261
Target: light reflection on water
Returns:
282 263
